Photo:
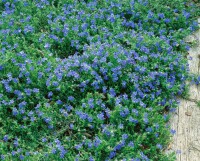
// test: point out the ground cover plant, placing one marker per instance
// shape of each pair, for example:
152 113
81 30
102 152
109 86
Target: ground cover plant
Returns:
91 80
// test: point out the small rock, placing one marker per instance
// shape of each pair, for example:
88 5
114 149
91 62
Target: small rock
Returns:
190 39
188 113
169 147
198 20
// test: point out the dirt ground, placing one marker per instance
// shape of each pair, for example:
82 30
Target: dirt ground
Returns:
186 120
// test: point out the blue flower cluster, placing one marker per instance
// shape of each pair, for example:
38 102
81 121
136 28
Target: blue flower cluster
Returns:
90 80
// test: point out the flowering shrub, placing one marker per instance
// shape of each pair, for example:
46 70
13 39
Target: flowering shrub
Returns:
91 80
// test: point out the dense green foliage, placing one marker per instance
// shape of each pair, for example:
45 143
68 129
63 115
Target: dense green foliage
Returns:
91 80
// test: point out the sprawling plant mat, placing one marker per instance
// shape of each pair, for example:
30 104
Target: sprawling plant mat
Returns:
91 79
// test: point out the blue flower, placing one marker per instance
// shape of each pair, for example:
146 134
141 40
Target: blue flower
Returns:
78 146
32 119
133 120
97 141
90 119
100 116
71 98
47 46
62 153
27 153
53 151
16 143
28 28
27 91
167 20
131 144
186 14
15 111
91 158
112 154
2 157
124 136
50 94
159 146
71 126
173 131
44 140
35 90
5 138
21 157
47 120
1 67
13 153
90 102
112 92
161 15
59 102
69 108
124 112
149 129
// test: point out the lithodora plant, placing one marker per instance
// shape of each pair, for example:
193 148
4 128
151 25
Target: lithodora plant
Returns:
91 80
